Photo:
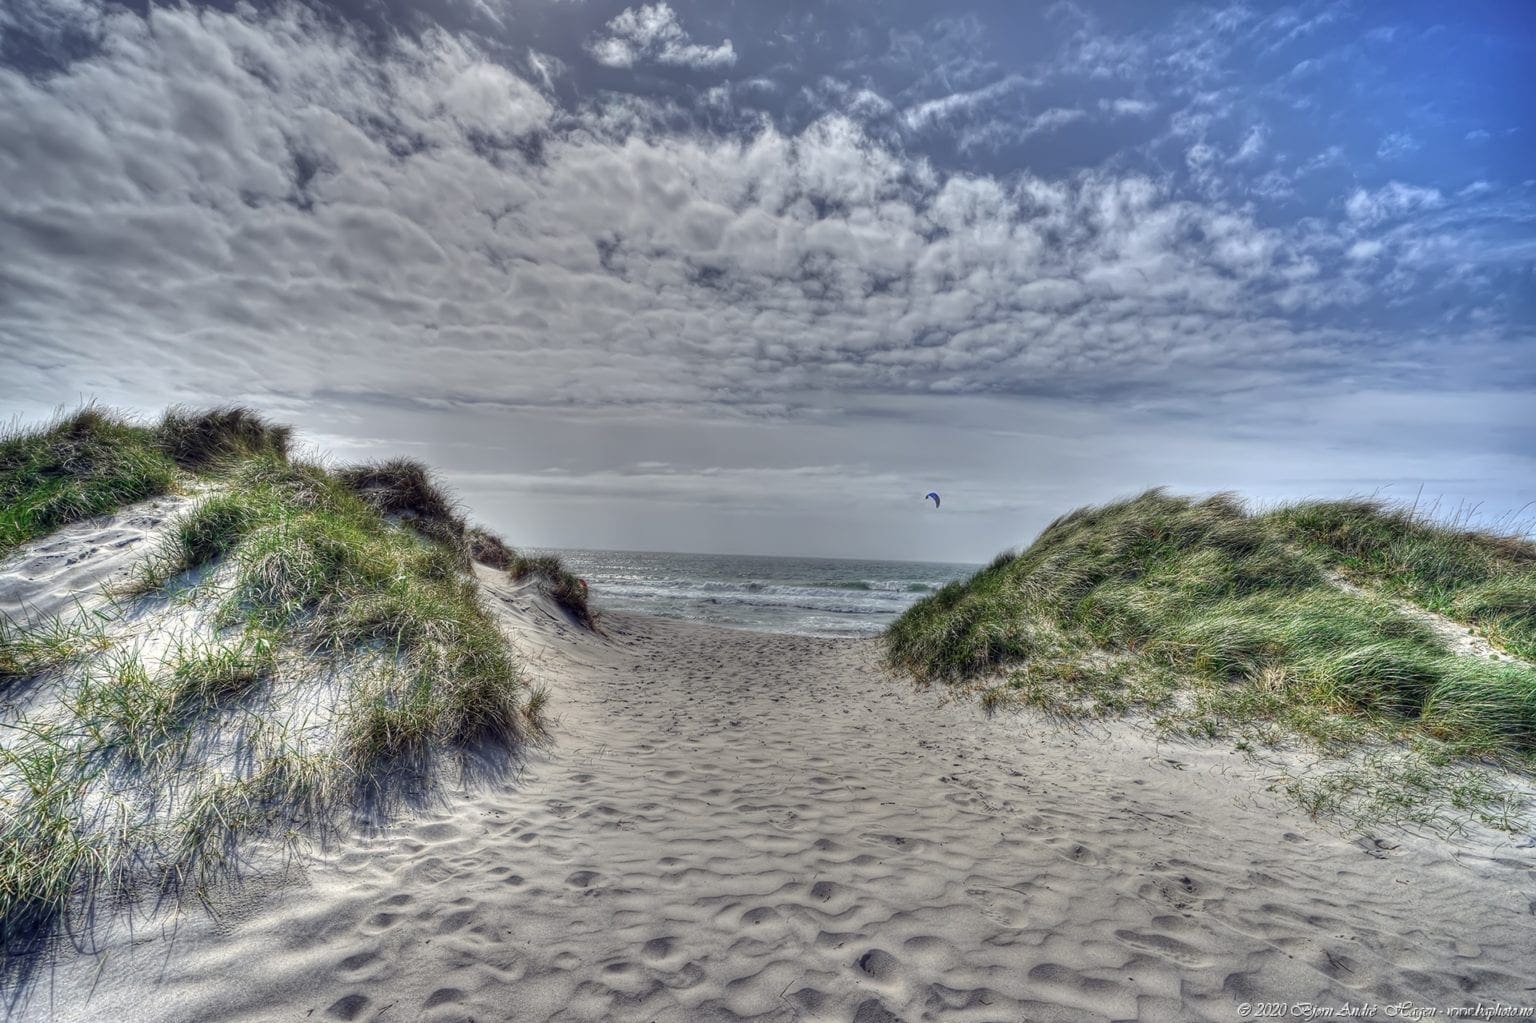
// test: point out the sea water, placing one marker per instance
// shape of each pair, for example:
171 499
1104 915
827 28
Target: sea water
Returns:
807 596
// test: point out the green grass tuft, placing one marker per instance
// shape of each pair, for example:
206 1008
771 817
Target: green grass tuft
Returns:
208 675
94 461
1214 620
303 576
489 549
1485 579
567 591
219 437
43 851
81 465
31 648
412 492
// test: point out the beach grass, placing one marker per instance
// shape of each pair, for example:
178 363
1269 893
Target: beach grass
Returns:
44 854
28 648
93 461
547 570
556 581
206 439
320 563
1483 578
411 493
1214 621
83 464
285 578
490 550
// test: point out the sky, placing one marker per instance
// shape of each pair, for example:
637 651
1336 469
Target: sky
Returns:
754 278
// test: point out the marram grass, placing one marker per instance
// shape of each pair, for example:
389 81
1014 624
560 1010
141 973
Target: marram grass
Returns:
94 461
1214 621
284 571
314 562
80 465
1485 579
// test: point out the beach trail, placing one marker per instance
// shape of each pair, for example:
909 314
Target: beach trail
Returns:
729 825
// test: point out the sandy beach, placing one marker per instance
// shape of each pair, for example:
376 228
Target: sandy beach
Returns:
726 825
644 511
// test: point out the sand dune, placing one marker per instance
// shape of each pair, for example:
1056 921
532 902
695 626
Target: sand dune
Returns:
729 825
48 576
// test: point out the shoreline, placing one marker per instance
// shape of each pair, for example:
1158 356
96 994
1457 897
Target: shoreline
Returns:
727 824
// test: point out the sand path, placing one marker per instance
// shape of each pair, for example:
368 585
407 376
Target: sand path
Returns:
731 825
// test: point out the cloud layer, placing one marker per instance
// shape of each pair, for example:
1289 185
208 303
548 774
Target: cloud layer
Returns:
278 206
275 200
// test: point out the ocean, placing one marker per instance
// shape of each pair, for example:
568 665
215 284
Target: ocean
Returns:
806 596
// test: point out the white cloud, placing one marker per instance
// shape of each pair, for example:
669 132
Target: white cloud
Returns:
945 108
651 33
1126 107
1397 144
989 117
1392 200
546 67
865 103
1333 156
1001 131
1364 250
488 98
1200 156
1253 144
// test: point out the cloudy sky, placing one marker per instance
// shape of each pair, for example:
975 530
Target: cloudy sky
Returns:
755 277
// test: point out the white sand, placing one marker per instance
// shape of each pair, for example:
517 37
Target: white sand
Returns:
730 825
69 568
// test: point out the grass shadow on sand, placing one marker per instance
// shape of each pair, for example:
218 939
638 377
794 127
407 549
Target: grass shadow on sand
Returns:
271 842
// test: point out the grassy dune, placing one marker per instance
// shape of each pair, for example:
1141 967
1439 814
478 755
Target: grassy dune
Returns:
301 639
93 461
81 465
1485 580
546 570
1219 622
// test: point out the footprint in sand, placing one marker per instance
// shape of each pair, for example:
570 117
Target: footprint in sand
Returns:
879 964
455 921
658 948
1164 946
1181 892
347 1007
826 891
357 962
1001 905
443 996
874 1011
897 842
808 998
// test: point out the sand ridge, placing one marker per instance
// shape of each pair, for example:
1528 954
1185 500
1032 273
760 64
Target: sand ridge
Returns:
730 825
